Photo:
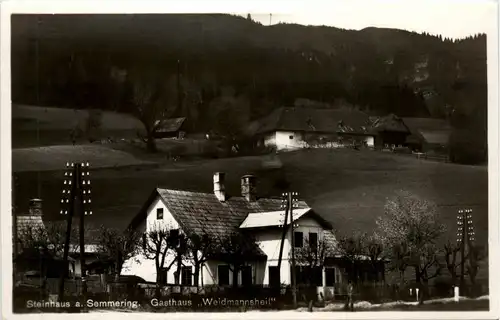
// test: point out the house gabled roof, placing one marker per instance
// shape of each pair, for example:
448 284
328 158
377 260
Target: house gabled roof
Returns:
340 120
270 219
169 125
276 218
200 213
434 131
389 123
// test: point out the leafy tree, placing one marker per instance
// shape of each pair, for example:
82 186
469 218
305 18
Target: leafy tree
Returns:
117 246
409 230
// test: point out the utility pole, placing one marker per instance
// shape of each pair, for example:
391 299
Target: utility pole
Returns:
291 203
284 205
288 203
465 236
77 178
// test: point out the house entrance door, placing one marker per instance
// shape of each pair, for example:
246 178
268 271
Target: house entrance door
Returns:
274 277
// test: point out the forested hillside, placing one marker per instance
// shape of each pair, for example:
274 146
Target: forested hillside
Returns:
216 63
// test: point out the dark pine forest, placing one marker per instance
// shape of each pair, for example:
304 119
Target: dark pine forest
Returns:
214 63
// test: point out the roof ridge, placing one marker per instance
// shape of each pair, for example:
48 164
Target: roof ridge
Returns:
277 198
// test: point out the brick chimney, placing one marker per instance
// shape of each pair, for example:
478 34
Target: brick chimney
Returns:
248 187
219 186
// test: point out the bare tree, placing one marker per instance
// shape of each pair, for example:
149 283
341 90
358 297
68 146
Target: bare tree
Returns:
117 246
49 236
156 247
178 242
374 250
410 222
351 249
451 255
200 249
93 124
40 243
229 115
145 103
311 256
476 255
235 249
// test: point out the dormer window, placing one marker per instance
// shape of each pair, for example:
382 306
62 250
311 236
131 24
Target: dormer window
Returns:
159 214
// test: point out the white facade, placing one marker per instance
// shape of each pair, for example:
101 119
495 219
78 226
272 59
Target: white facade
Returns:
293 140
146 269
269 240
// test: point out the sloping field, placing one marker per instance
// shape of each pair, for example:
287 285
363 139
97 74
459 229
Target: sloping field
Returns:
35 126
56 157
349 188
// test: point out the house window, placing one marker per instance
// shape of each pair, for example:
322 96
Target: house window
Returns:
317 276
313 241
223 275
330 277
173 237
274 277
186 276
298 239
159 214
290 137
163 276
246 276
308 275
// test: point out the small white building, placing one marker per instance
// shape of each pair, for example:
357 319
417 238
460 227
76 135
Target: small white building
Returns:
290 128
218 214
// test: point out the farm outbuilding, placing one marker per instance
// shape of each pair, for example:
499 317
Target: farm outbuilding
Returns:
170 128
391 131
428 135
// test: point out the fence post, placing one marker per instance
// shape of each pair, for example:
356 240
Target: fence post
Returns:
457 293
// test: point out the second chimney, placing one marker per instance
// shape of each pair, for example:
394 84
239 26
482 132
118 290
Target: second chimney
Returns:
219 186
248 187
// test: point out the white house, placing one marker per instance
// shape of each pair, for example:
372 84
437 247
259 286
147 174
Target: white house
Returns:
219 214
290 128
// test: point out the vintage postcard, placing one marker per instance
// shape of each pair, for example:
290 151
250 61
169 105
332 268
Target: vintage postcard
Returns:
306 159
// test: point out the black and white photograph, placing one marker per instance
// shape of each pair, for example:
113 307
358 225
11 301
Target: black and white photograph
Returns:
334 161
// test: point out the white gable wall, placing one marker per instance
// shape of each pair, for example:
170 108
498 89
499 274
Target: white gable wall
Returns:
168 220
286 140
140 265
269 240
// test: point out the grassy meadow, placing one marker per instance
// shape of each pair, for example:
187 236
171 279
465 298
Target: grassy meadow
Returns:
347 187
